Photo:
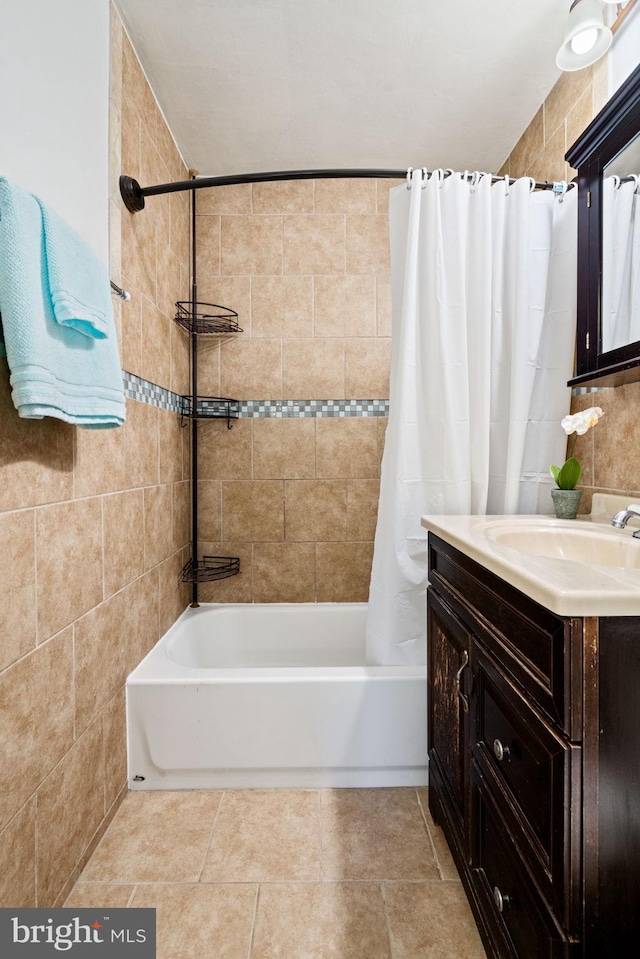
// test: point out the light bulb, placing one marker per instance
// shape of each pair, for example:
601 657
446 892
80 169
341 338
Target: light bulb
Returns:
584 41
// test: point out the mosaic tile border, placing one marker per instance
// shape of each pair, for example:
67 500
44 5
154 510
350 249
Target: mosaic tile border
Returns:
583 390
137 388
287 409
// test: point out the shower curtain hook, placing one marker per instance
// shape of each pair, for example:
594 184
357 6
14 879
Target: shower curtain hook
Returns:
425 176
506 184
439 175
532 185
475 179
636 181
409 175
616 181
559 190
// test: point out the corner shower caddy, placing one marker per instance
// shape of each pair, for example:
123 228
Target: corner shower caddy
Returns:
199 319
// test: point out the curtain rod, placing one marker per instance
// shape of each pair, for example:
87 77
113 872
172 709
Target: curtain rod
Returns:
133 194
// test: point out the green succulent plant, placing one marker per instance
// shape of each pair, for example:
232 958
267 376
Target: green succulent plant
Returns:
568 475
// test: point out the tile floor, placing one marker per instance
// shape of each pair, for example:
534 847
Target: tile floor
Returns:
285 874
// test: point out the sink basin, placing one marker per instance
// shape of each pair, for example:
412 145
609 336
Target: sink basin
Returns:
581 543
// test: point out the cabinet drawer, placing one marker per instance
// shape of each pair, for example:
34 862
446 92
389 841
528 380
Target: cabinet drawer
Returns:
512 905
535 776
541 651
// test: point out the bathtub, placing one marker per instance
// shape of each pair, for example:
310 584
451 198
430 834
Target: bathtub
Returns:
273 695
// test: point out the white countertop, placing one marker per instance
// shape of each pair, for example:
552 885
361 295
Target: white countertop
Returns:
565 587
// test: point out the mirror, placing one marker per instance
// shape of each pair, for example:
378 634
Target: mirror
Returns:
607 158
620 300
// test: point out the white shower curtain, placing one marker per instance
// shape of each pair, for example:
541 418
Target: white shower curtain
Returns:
483 281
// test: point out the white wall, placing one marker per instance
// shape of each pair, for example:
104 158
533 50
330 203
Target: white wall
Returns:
625 51
54 108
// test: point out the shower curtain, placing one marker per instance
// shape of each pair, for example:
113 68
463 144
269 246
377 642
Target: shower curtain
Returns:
483 281
620 262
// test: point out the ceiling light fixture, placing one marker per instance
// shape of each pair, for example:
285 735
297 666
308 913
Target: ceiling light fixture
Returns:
586 37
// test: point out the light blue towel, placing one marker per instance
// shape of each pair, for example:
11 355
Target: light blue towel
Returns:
78 282
55 370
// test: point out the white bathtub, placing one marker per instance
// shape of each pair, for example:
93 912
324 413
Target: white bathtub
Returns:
273 695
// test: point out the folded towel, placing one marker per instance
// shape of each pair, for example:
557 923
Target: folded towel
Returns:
78 282
55 370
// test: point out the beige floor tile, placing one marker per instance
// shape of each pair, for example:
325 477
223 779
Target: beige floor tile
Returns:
320 921
374 834
96 895
156 837
444 859
265 835
431 921
200 921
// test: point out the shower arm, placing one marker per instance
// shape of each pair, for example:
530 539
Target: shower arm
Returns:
133 195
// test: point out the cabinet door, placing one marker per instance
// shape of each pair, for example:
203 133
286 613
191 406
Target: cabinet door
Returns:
449 643
521 925
534 776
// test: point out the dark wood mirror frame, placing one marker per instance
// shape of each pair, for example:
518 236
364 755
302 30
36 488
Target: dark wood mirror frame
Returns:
610 131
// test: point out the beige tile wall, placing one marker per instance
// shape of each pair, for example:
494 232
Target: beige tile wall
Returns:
610 463
92 537
306 266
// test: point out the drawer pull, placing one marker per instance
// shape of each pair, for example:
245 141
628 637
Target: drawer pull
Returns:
501 752
464 699
500 900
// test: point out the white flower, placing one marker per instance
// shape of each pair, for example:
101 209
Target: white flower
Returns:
581 422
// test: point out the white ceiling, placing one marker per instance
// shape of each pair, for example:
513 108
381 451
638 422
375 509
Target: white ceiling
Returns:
251 85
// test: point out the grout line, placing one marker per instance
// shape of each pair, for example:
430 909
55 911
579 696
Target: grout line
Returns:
103 736
253 924
35 579
73 678
267 882
104 589
131 897
430 837
213 829
35 844
383 893
320 821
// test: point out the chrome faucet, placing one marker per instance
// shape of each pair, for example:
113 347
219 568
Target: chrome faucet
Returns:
622 518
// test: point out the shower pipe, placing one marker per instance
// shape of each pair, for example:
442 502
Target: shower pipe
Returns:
194 403
133 195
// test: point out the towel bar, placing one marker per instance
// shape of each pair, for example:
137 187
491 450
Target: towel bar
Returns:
118 291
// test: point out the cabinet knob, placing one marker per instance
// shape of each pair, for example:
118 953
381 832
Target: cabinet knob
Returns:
500 900
500 752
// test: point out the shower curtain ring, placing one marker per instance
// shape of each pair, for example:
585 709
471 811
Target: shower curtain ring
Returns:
507 184
616 181
425 176
475 179
409 174
559 190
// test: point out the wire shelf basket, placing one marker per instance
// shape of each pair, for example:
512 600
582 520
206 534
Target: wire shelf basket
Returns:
210 408
210 568
208 318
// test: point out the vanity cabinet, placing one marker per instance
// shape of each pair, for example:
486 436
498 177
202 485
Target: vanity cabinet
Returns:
534 749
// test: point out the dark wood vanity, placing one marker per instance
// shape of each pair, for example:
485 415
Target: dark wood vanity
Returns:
534 750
